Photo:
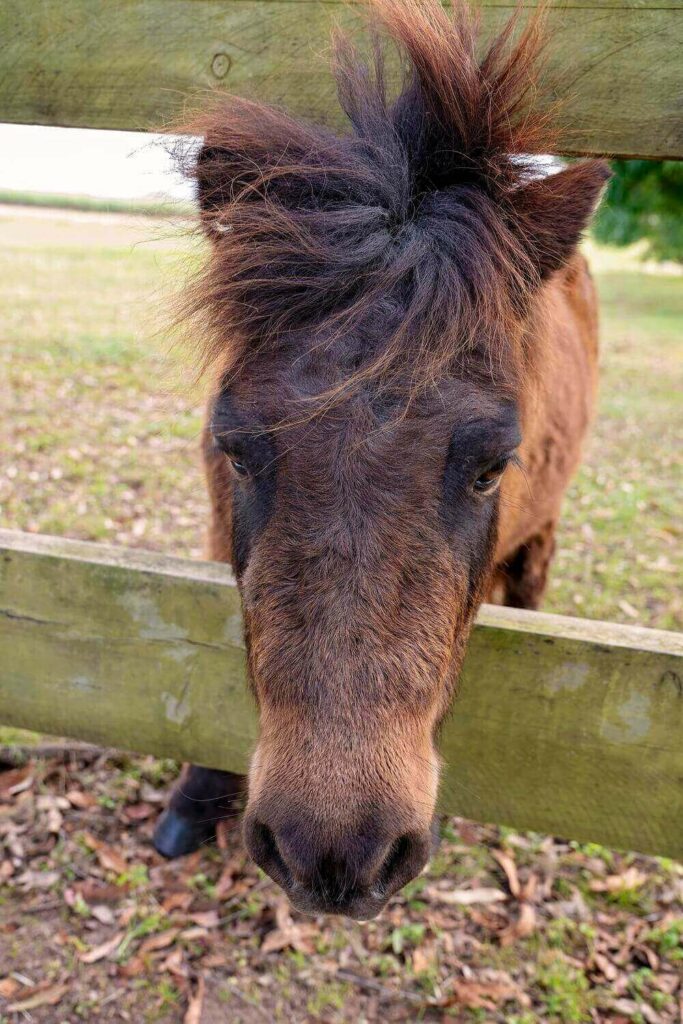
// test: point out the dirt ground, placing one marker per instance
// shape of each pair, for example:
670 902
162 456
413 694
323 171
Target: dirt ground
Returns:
95 926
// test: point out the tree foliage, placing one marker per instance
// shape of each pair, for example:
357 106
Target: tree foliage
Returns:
644 200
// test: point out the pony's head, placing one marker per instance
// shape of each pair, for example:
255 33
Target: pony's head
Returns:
371 306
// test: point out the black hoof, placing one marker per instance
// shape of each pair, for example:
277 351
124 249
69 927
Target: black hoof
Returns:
175 836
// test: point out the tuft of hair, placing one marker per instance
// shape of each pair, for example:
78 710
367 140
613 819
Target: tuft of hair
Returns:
412 228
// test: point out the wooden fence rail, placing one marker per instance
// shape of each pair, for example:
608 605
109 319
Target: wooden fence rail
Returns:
615 64
562 725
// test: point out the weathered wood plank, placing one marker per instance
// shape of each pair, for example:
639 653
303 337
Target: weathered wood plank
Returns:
135 64
562 725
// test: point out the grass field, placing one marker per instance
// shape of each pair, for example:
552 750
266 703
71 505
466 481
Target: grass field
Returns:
99 442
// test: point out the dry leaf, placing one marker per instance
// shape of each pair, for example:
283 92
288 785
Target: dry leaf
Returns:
94 891
160 941
528 889
16 780
485 995
421 962
192 934
175 964
288 933
632 878
177 901
54 822
605 966
103 914
8 987
465 897
215 960
226 882
46 997
100 952
107 855
30 880
138 812
508 865
196 1003
127 915
524 926
133 968
80 800
205 918
48 802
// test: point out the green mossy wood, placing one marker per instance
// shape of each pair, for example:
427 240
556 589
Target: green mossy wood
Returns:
615 64
562 725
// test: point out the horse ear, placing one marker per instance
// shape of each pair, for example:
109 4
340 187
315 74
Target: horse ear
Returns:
551 213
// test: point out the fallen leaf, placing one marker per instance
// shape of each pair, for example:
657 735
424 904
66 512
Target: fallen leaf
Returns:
102 913
177 901
192 934
485 995
421 962
8 987
138 812
605 966
465 897
49 802
45 997
16 780
215 960
91 956
159 941
205 918
80 800
193 1014
632 878
30 880
108 857
632 1009
175 964
524 926
133 968
288 933
226 881
55 820
94 891
508 865
528 889
127 915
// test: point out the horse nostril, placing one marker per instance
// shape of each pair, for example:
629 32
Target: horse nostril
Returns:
266 853
405 859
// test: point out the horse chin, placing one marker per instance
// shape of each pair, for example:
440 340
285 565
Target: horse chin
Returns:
360 908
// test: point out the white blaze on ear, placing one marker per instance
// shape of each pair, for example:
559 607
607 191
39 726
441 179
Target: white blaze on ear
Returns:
552 212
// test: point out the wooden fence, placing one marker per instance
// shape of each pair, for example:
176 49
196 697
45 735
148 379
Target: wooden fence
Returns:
615 64
566 726
562 725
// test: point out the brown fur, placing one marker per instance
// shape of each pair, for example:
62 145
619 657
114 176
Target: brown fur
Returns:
383 311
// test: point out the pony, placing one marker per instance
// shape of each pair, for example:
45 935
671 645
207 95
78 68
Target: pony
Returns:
402 344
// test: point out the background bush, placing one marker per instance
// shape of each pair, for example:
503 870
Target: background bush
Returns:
644 200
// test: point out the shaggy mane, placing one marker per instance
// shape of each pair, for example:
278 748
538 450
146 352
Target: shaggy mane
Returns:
402 229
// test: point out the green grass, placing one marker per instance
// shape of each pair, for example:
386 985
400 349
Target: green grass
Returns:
100 444
58 201
620 539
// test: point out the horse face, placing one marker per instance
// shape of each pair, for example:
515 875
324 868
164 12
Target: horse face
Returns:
361 542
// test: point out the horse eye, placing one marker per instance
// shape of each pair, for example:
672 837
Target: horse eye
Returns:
490 478
238 466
